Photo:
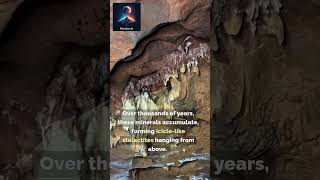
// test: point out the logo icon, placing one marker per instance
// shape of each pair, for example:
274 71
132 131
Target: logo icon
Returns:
126 17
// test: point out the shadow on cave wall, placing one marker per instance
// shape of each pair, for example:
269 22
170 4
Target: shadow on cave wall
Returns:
265 86
54 74
266 83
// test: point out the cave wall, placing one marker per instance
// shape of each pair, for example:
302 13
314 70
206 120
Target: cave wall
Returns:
170 58
264 77
54 73
265 72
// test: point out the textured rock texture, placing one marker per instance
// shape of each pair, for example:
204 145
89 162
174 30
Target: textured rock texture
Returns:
153 13
266 80
170 58
54 70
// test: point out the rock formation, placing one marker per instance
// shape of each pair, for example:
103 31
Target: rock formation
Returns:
265 79
263 57
171 58
54 70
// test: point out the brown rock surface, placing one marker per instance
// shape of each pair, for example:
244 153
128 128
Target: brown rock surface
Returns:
265 80
172 61
154 13
266 95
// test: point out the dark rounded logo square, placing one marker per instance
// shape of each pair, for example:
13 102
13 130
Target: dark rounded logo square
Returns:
126 17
